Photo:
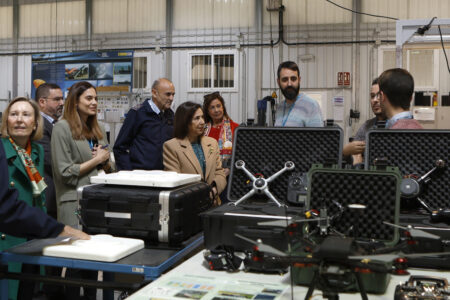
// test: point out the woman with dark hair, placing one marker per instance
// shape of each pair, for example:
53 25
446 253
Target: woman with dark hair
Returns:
192 153
219 125
21 127
79 150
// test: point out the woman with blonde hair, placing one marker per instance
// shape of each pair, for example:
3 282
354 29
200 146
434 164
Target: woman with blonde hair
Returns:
21 127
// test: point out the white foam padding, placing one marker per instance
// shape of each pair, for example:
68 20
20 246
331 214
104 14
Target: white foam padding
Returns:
101 247
164 179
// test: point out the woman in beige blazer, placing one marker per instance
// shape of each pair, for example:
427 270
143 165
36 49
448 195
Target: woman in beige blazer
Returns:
192 153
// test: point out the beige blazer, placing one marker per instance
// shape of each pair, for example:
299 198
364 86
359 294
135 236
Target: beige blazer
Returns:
67 156
179 156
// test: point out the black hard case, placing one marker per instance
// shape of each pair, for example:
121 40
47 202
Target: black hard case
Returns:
266 150
415 152
153 214
221 223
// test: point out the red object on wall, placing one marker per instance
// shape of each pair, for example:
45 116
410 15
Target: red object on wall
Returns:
340 78
347 78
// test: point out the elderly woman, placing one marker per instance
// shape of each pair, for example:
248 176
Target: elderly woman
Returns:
219 125
191 152
21 126
79 149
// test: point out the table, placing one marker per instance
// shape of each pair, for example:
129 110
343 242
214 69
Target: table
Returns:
194 278
148 263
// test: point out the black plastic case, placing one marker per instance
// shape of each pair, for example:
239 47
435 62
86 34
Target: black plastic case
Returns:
377 189
153 214
221 223
266 150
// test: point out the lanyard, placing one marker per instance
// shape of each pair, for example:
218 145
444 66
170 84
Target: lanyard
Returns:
285 118
91 143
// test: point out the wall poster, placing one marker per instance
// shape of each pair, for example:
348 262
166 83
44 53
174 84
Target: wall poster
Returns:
110 70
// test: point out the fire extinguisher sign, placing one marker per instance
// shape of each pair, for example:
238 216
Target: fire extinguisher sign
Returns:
343 78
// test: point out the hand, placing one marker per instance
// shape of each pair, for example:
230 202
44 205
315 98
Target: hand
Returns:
213 193
226 171
75 233
357 159
100 153
356 147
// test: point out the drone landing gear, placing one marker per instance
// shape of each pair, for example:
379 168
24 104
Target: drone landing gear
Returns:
261 185
333 294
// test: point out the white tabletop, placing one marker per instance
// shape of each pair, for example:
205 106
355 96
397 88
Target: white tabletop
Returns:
194 278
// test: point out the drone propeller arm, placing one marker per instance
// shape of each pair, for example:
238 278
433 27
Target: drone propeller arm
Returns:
438 165
245 197
287 166
269 194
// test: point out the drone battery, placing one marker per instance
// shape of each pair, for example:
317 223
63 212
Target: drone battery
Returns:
266 150
156 215
221 223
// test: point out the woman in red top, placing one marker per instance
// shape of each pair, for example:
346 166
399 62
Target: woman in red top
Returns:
219 126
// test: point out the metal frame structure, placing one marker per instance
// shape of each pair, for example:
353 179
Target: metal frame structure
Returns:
406 32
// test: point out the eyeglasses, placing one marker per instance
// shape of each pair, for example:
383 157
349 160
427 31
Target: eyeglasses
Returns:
375 96
56 99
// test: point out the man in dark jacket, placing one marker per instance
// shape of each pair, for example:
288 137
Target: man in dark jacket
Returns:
51 102
139 144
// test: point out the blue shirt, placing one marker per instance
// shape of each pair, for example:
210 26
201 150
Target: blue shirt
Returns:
198 150
304 112
399 116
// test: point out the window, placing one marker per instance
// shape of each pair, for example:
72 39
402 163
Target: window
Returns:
213 71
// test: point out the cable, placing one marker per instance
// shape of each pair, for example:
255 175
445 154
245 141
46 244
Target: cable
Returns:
361 13
423 29
443 48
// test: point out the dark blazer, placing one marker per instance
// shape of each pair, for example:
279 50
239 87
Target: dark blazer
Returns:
17 217
180 157
139 144
48 176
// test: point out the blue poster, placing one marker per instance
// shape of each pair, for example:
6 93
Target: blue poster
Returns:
101 69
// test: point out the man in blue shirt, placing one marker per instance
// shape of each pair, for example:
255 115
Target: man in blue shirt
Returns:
139 144
298 110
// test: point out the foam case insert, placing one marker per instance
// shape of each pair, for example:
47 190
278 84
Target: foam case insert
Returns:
266 150
378 190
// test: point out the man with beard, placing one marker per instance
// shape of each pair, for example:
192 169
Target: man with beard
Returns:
51 102
298 110
396 90
357 147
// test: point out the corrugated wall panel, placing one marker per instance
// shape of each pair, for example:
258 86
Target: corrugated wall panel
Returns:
424 9
209 14
6 22
24 75
49 19
109 16
394 9
5 76
146 15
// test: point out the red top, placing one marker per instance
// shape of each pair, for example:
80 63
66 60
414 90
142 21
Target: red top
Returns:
215 132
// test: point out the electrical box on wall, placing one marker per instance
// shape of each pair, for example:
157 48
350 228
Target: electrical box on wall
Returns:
426 98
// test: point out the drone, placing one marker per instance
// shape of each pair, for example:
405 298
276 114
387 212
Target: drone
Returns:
339 264
412 188
261 185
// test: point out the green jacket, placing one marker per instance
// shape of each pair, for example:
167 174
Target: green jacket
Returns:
19 180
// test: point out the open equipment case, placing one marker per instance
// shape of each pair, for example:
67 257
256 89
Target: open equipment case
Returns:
335 190
265 151
422 157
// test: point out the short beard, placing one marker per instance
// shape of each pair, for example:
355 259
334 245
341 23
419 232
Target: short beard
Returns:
290 92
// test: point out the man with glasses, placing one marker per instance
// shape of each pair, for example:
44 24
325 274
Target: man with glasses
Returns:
395 96
139 144
298 110
49 97
357 146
